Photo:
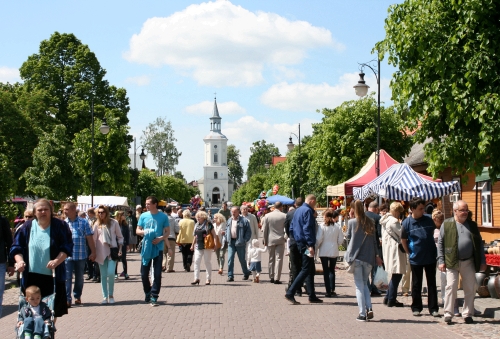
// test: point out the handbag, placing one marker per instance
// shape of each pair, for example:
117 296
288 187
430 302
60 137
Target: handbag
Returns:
209 242
113 252
350 265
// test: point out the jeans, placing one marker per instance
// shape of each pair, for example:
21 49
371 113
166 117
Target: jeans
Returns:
329 272
35 326
221 254
232 250
146 285
392 292
295 263
306 274
361 272
3 269
107 270
417 274
123 260
78 266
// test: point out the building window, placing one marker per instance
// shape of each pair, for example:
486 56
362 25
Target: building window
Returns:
486 208
215 175
216 157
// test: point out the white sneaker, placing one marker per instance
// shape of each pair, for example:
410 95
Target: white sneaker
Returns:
104 301
111 300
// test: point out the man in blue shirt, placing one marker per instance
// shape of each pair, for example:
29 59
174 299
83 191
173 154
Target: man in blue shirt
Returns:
154 227
303 229
82 233
417 238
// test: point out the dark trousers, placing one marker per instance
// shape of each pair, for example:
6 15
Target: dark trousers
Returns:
146 285
329 272
417 274
306 274
123 260
295 263
392 292
187 256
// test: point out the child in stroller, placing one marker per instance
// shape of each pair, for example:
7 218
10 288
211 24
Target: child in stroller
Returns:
34 316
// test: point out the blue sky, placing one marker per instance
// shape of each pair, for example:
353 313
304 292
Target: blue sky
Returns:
272 63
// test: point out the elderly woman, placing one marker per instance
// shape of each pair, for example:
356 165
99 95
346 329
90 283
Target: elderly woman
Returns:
220 230
394 257
40 246
362 253
202 229
107 235
185 239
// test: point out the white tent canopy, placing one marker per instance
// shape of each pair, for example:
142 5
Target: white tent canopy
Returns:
339 190
83 201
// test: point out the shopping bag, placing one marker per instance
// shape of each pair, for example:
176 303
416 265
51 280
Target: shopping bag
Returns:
381 280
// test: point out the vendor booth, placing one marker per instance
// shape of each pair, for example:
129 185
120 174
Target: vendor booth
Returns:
109 201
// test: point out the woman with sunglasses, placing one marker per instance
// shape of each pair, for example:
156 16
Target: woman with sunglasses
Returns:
107 235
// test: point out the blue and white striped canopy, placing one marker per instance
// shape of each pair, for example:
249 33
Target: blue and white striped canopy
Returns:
401 182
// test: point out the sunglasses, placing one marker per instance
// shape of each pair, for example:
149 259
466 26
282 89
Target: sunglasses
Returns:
28 216
101 212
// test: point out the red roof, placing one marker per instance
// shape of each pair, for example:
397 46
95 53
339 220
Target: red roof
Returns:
370 174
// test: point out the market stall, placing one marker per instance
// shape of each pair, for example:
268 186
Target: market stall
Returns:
83 201
401 182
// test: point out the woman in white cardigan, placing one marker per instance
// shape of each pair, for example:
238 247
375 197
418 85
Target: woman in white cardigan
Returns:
328 239
394 257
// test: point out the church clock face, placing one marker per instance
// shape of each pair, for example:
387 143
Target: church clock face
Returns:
215 146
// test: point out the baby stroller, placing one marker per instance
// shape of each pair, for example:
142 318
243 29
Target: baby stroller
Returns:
49 300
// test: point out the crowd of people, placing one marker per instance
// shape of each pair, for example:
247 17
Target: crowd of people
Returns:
95 242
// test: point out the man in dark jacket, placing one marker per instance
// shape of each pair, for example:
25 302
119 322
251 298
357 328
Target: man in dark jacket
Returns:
294 254
303 229
6 264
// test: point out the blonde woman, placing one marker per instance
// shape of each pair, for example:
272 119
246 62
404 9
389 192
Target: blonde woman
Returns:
107 234
220 230
362 252
394 258
185 239
203 228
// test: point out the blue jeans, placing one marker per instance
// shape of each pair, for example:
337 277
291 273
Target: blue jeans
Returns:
361 272
232 250
79 267
35 326
328 265
393 286
3 269
306 274
146 285
107 270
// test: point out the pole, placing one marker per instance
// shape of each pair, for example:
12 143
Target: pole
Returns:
92 157
378 123
300 168
135 153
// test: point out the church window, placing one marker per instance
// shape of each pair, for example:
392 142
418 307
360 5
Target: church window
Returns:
216 157
215 175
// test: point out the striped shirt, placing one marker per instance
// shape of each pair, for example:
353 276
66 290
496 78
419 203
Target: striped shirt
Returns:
80 229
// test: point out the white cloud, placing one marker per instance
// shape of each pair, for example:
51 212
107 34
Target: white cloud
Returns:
207 107
304 97
221 44
142 80
246 130
9 74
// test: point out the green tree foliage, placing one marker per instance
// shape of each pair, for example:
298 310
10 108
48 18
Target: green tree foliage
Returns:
250 190
148 184
52 174
235 170
347 135
158 139
164 187
179 175
447 82
261 154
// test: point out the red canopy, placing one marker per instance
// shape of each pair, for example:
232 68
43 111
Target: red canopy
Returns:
386 161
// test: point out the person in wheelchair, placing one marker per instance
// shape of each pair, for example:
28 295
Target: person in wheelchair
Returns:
34 315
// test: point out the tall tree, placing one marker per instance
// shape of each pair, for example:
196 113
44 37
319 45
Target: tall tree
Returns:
158 139
447 83
179 175
235 170
261 154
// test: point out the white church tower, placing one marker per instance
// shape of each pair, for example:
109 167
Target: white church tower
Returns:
215 186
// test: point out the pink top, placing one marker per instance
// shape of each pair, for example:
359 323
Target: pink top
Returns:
101 248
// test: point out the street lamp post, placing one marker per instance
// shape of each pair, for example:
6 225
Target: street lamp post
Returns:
104 129
361 89
290 147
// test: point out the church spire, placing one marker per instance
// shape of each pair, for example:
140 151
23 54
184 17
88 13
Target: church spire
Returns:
215 119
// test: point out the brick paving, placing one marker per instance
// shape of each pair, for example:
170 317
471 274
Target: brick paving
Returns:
241 309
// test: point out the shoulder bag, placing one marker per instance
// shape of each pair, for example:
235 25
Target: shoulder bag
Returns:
209 239
350 266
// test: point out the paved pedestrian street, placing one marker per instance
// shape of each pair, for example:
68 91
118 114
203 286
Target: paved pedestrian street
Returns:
241 309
